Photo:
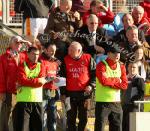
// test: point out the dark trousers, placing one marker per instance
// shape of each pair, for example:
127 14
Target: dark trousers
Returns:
108 111
127 108
28 116
78 108
6 108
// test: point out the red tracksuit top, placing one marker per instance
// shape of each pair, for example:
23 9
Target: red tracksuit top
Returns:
105 19
51 68
77 72
112 82
8 71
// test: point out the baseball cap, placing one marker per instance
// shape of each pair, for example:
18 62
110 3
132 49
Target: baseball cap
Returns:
114 49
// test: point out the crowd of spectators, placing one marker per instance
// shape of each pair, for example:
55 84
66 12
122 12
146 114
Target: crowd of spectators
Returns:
79 41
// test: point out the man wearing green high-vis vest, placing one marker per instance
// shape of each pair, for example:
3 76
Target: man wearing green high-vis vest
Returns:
110 80
31 78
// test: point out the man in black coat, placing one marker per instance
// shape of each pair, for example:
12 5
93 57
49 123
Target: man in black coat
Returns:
91 36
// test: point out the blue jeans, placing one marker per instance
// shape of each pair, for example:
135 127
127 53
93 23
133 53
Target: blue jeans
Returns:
50 115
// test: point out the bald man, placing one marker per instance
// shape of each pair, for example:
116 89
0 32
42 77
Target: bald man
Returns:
61 22
79 70
94 36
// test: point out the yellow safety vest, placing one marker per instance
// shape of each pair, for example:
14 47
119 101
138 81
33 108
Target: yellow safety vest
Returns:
106 93
30 94
147 97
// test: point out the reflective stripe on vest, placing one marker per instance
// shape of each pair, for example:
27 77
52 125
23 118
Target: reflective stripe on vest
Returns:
106 93
30 94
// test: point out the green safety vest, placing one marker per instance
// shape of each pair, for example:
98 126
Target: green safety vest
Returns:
106 93
30 94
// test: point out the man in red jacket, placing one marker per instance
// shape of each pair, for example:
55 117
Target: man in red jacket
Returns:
30 78
8 67
140 20
51 91
110 80
104 14
79 70
146 5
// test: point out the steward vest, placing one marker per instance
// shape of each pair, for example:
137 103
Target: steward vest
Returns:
77 72
30 94
147 97
106 93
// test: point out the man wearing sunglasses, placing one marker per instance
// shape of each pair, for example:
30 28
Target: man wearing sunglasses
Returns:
90 35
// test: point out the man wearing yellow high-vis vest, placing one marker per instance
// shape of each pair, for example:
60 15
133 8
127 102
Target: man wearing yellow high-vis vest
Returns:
110 80
28 110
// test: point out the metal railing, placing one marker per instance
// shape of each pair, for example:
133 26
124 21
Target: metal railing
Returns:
141 102
9 17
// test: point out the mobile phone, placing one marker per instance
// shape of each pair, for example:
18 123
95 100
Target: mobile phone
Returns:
49 79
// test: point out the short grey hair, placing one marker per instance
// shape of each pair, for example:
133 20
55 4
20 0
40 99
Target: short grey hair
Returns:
138 8
92 16
76 45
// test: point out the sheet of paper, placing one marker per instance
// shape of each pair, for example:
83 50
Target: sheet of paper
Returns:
67 104
61 82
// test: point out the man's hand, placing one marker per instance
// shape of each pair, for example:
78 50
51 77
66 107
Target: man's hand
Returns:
42 80
77 15
88 90
28 43
102 8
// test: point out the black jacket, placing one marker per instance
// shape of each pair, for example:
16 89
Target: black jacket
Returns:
121 36
84 37
33 8
135 90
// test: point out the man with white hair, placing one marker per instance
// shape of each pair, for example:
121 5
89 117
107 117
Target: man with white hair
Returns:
140 21
8 68
62 22
146 5
79 70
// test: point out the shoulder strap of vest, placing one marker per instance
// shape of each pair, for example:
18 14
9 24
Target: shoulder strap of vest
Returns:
104 62
25 64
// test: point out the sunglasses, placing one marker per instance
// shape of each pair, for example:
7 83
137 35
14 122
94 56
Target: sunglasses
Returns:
93 23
